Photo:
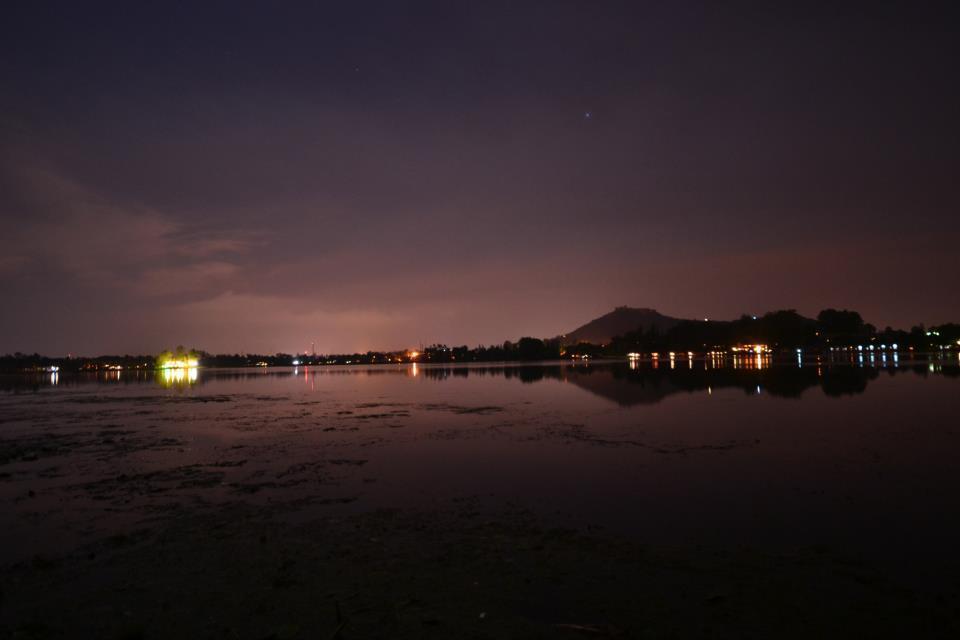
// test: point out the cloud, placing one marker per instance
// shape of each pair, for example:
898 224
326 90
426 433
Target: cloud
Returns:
192 278
99 243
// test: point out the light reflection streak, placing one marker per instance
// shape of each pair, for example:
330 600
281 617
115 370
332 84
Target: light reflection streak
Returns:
178 377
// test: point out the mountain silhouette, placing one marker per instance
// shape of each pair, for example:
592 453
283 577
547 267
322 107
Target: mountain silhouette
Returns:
616 323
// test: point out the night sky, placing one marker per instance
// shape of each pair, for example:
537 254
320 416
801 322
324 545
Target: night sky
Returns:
259 176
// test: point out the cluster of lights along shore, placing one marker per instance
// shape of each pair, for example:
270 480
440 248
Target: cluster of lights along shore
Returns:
178 363
190 361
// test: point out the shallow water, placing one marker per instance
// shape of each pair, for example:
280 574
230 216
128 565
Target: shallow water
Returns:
857 458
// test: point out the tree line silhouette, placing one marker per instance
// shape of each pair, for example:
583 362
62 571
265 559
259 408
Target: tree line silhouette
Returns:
781 330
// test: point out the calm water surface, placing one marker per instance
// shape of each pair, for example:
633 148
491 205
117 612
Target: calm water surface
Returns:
859 458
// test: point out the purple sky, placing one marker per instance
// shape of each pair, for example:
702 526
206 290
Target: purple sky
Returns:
258 177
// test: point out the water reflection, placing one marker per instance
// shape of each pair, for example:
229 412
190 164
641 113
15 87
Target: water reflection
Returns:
626 383
636 383
178 377
632 383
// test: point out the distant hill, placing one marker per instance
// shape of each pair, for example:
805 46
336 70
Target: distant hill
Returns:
618 322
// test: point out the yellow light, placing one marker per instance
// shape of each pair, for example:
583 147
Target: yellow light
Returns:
183 363
414 354
172 376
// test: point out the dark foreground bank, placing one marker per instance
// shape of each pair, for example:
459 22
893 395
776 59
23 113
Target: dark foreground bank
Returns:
250 573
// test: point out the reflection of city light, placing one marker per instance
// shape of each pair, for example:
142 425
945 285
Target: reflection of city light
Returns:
178 376
54 377
413 370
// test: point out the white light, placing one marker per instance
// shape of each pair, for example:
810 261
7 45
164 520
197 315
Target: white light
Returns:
296 363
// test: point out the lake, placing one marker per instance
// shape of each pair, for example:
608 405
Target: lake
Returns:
856 461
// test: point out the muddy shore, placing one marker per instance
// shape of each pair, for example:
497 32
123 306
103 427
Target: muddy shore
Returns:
146 513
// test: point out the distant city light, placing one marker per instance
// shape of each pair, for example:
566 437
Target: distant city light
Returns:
180 363
296 363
